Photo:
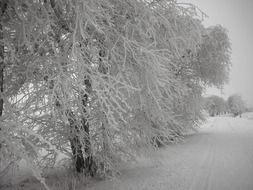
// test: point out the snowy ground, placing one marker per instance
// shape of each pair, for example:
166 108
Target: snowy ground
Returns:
218 157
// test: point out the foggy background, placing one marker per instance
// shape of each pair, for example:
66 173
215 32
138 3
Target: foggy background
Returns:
237 17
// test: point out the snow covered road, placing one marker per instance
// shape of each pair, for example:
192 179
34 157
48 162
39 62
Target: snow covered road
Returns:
219 157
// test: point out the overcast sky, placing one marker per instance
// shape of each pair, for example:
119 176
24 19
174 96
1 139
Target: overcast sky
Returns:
237 17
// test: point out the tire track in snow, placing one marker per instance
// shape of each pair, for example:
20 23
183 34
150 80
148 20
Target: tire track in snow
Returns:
203 178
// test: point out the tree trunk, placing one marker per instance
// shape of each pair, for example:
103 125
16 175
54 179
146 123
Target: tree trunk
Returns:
1 74
90 164
76 145
3 5
81 164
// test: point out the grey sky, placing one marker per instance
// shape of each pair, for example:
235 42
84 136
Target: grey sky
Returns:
237 17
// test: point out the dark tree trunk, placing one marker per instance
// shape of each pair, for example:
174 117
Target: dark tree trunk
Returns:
75 142
77 152
82 164
89 163
76 145
3 5
1 75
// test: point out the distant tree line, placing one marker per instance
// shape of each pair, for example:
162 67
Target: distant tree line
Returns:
216 105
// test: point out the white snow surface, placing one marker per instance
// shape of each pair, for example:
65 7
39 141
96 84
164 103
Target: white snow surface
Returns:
218 157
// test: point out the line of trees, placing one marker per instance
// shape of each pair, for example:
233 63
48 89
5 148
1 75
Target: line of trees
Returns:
101 81
216 105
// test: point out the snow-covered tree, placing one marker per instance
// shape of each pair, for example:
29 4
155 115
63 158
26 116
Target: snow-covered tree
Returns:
101 81
213 59
215 105
236 104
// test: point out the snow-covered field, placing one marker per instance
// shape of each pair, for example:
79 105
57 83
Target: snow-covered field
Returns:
218 157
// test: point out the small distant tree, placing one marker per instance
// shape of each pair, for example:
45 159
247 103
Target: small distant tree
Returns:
215 105
236 105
